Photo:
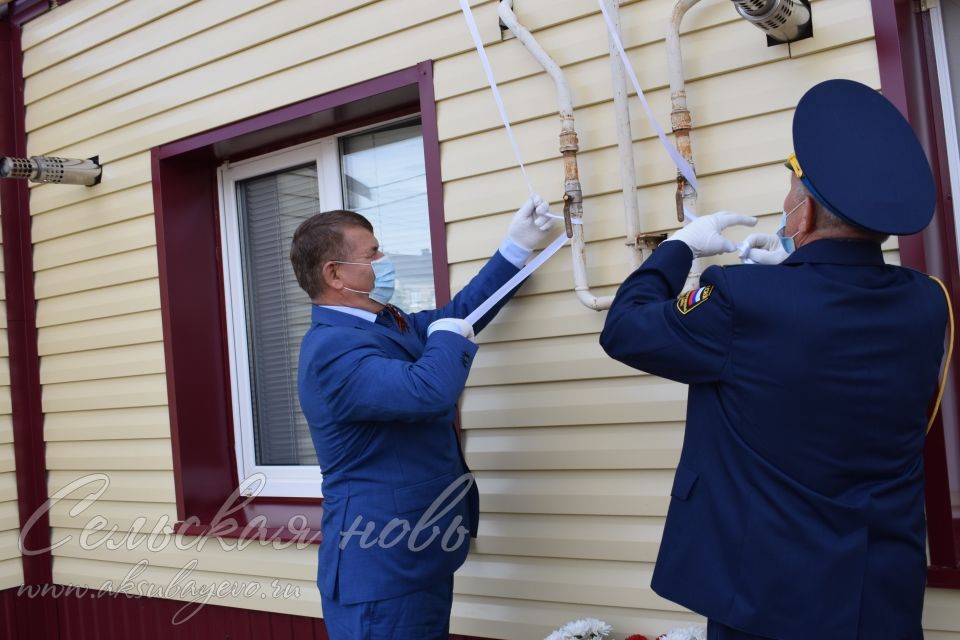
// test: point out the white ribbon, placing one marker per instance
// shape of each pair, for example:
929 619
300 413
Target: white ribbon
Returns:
682 165
521 275
487 69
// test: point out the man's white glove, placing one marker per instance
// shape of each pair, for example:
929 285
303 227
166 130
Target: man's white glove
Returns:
456 325
762 248
703 234
530 225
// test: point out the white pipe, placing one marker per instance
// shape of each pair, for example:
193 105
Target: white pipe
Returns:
621 111
568 146
680 118
510 21
679 114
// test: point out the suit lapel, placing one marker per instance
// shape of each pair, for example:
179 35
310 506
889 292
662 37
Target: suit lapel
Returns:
407 341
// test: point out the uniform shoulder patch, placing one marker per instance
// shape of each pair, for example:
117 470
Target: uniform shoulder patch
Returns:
690 300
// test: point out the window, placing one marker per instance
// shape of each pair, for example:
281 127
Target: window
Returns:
945 31
913 47
378 173
349 126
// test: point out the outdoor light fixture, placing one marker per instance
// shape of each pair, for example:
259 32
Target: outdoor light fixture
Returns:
782 20
50 169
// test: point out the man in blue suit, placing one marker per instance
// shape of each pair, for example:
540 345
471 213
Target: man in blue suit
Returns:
797 505
379 389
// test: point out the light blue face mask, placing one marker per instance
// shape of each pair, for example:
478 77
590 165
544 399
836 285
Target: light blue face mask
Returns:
384 279
787 241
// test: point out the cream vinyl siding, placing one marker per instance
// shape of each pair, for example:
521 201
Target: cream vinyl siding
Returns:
574 453
11 568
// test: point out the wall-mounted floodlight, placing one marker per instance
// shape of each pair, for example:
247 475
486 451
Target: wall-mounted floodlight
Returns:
50 169
782 20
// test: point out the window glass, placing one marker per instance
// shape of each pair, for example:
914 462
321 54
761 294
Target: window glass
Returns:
384 180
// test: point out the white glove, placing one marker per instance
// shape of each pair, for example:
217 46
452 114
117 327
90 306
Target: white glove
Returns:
703 234
530 225
762 248
456 325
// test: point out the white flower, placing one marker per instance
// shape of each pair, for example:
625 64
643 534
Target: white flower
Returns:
586 629
694 632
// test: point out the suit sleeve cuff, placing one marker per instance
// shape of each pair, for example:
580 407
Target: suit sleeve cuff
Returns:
514 253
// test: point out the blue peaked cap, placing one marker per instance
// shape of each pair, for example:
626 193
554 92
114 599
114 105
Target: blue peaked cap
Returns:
861 160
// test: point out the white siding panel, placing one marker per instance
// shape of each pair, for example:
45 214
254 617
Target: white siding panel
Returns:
121 51
606 493
133 360
574 403
544 360
156 581
75 515
86 245
105 27
9 516
105 302
6 457
117 206
111 393
941 613
586 582
223 556
523 322
8 486
110 454
53 23
124 486
627 538
120 268
108 424
130 329
383 23
11 573
245 24
9 545
609 446
6 429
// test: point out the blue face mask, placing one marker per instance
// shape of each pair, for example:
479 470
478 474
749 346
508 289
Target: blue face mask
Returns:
384 279
787 241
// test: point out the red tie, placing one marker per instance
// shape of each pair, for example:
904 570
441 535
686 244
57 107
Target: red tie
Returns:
398 319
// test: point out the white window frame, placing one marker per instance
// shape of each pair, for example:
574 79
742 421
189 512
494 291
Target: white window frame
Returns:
291 481
295 481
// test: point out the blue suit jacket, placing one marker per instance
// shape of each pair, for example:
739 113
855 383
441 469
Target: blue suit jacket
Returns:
381 407
797 506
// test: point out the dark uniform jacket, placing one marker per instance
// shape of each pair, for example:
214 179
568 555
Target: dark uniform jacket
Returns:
797 506
381 407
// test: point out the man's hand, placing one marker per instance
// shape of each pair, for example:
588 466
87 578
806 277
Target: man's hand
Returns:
530 225
703 234
456 325
762 248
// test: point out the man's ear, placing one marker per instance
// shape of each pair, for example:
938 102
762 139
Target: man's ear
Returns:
331 276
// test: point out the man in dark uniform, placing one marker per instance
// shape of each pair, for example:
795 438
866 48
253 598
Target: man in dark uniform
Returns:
797 505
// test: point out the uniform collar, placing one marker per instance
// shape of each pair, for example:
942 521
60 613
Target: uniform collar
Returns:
838 252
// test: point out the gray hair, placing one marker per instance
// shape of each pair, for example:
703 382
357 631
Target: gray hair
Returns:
829 221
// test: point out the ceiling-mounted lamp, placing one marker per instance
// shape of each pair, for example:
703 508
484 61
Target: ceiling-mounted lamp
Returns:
53 170
782 20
